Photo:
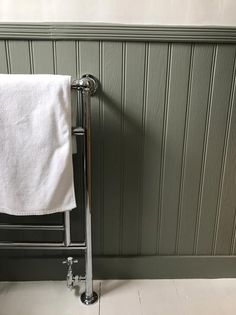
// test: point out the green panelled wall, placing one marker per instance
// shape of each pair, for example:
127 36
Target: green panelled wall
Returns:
164 145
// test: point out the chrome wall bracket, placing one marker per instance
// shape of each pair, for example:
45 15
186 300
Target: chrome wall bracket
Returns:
87 83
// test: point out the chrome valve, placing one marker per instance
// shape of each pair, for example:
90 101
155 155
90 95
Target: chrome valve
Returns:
71 279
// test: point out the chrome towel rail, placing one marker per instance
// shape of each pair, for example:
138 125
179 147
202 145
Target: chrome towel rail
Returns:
87 85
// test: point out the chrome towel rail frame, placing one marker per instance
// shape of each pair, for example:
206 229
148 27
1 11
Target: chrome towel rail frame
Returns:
87 85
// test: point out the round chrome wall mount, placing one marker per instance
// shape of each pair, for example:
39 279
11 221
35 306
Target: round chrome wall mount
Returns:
86 83
89 300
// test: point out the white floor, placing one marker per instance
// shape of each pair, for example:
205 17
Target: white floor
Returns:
121 297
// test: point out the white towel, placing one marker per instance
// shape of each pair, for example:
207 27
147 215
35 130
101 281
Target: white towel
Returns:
36 173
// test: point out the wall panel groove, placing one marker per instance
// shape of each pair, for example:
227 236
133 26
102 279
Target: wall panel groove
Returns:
203 163
54 54
7 52
179 76
31 57
143 133
163 145
3 57
202 60
224 158
135 53
233 238
101 143
112 84
152 145
122 130
183 163
215 144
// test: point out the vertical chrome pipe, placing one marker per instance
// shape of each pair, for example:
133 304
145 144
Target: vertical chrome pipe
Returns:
88 297
67 238
88 86
88 194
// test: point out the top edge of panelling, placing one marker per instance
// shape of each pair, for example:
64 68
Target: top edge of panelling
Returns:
113 32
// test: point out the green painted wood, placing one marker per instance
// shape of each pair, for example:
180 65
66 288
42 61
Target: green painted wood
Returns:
194 132
163 144
214 151
65 55
225 238
162 267
176 110
165 267
42 56
132 145
19 57
3 58
112 55
114 32
156 79
89 62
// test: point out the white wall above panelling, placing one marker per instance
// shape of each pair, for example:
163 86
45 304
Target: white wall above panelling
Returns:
159 12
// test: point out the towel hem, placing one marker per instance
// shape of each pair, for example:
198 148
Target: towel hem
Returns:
36 212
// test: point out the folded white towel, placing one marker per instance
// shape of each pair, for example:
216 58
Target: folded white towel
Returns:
36 173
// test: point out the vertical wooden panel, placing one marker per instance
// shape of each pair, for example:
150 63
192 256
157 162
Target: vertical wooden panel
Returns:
179 76
135 58
202 60
3 58
152 145
89 62
225 234
42 55
66 62
214 149
112 86
19 57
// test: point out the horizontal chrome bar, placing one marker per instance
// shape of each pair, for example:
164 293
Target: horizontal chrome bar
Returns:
32 227
78 244
42 246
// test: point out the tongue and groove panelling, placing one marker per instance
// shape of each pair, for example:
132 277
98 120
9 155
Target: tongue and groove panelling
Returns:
164 140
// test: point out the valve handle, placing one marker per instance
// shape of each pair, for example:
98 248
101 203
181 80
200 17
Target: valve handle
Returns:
70 261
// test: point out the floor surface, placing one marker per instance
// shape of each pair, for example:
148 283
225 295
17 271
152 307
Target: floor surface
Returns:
121 297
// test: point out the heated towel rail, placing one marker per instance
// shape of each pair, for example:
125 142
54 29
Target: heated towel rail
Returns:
86 87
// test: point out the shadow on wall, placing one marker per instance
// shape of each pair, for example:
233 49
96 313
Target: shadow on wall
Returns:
123 145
